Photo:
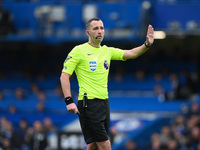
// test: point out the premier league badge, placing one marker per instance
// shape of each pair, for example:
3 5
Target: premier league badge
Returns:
106 65
93 65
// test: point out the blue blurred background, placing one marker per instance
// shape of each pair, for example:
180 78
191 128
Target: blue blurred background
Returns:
154 99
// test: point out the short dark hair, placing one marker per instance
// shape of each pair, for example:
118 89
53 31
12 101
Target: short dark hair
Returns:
89 22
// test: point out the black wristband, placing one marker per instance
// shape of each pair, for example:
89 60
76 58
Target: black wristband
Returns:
68 100
145 44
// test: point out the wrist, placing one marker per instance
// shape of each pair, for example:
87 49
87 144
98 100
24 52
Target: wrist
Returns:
68 100
145 44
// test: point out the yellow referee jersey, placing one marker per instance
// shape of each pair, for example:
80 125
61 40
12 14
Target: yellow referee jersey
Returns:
91 66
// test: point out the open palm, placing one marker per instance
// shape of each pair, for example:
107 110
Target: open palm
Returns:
150 35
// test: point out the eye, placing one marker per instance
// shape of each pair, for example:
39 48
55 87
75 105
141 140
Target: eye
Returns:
95 28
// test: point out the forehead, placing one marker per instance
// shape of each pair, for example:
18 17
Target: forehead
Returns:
96 24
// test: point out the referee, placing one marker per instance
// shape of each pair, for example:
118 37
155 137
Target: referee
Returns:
91 62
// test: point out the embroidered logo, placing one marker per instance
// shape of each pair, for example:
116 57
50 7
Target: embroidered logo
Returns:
93 65
106 65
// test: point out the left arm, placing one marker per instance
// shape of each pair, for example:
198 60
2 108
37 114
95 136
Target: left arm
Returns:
135 52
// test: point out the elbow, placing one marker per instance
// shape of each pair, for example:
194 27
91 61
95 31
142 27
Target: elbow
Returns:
61 78
64 76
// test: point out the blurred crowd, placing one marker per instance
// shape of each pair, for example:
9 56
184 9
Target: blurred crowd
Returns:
39 97
182 133
25 136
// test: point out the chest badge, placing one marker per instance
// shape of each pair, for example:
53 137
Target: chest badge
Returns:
93 65
106 65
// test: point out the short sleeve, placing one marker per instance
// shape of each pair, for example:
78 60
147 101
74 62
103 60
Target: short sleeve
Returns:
116 53
71 61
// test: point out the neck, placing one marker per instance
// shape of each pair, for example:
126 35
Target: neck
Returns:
94 44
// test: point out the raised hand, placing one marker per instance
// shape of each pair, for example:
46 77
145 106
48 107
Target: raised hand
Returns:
150 35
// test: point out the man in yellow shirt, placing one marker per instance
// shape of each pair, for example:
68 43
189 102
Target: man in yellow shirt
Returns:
91 62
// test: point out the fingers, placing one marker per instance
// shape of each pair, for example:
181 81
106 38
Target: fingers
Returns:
150 30
72 108
73 111
150 35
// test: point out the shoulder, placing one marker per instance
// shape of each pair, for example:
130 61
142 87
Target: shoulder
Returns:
104 46
109 48
77 48
82 45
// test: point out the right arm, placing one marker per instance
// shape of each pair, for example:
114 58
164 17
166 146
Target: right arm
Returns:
65 84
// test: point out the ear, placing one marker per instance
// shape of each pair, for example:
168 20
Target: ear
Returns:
87 32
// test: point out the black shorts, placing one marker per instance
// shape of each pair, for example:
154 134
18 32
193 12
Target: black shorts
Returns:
94 120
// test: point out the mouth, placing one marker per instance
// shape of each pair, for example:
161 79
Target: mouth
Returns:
99 37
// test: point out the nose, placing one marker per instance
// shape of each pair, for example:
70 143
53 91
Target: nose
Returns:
100 31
